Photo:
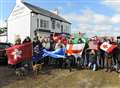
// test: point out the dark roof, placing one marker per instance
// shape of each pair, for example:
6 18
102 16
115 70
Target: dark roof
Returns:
36 9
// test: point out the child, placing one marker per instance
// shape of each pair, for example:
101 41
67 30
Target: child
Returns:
92 60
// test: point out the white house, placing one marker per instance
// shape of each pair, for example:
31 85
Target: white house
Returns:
25 19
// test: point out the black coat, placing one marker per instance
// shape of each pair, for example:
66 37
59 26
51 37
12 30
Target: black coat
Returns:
92 58
37 46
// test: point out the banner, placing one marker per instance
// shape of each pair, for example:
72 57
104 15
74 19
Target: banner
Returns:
58 53
107 47
75 49
36 57
18 53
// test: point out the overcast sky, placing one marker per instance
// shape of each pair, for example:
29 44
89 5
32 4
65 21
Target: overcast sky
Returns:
94 17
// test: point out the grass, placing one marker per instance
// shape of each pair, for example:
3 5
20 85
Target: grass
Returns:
60 78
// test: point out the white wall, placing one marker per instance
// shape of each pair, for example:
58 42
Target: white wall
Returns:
20 26
3 38
19 23
18 11
66 27
33 25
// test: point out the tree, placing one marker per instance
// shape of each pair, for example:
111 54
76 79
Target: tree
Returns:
2 30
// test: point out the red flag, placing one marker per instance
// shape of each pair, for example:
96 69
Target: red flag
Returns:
18 53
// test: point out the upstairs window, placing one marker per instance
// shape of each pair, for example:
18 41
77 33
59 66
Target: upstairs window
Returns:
58 25
44 24
61 28
37 23
47 24
53 24
41 23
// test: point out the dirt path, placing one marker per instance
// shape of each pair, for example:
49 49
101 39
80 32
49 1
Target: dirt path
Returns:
58 78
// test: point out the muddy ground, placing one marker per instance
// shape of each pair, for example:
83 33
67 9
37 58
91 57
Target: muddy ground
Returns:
59 78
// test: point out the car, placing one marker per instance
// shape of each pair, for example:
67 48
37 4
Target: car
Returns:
3 56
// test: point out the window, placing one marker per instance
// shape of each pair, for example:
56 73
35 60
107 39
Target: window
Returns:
61 28
44 23
53 24
41 23
47 24
37 23
58 25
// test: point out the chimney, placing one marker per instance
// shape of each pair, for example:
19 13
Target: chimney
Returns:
19 1
56 11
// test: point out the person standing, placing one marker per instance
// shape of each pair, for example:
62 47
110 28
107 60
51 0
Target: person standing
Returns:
70 58
27 62
59 61
69 61
18 42
37 47
100 56
108 60
46 45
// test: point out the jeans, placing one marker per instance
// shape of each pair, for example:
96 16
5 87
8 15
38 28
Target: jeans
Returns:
100 61
108 63
93 65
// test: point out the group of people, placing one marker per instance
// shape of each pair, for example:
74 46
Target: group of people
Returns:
90 58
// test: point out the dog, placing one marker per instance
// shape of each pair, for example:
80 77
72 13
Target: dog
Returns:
37 67
20 72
